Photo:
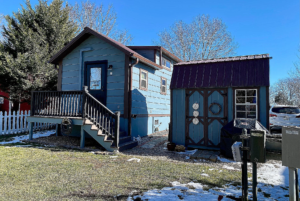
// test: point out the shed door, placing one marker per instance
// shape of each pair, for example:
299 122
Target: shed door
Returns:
95 79
204 122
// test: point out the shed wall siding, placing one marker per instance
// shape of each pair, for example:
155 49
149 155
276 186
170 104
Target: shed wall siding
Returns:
178 116
230 104
101 50
263 110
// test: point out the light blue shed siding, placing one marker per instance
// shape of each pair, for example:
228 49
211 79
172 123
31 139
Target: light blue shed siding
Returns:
178 116
101 50
263 109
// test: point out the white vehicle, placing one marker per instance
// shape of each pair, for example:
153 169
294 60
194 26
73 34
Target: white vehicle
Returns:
284 115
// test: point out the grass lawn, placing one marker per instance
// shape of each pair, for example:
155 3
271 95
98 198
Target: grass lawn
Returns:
62 174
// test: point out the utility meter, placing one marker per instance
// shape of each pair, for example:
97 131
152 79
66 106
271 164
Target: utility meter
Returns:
258 146
291 146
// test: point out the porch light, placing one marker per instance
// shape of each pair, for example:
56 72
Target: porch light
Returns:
110 67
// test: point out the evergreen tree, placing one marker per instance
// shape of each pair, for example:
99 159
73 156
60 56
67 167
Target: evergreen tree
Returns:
30 38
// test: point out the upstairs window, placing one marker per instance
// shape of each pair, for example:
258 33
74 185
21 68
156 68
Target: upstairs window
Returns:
246 103
163 86
143 80
166 63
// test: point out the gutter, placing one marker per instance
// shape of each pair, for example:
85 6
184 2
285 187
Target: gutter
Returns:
153 66
81 64
130 94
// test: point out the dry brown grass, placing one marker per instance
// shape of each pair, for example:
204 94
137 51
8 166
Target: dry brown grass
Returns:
60 174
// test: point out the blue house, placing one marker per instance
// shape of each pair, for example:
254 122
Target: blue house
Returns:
108 91
207 94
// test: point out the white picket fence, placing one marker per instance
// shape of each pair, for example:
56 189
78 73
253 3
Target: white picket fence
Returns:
16 123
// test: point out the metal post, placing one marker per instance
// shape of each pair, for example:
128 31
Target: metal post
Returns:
254 180
82 138
117 129
30 130
297 185
292 184
244 173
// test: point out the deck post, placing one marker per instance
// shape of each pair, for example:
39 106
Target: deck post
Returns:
82 138
30 125
117 129
56 130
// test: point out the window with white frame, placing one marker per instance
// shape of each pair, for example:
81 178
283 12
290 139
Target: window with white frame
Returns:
166 63
163 86
246 103
143 79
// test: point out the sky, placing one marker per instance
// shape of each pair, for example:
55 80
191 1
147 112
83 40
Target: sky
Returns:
259 27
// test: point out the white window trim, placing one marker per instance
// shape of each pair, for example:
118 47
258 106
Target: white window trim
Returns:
168 61
161 85
141 87
256 104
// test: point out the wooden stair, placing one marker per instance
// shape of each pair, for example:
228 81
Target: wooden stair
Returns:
125 141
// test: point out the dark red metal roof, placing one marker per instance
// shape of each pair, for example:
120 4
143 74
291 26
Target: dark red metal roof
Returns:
233 72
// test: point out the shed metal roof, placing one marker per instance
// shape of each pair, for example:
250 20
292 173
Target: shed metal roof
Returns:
244 71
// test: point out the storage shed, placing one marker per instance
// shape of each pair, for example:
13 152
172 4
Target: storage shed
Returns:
207 94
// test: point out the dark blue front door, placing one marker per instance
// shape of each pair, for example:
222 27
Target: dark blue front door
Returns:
95 78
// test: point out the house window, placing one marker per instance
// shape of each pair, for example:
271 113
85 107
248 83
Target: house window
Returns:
143 79
246 103
163 86
166 63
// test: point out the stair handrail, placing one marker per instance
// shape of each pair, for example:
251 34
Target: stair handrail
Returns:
116 115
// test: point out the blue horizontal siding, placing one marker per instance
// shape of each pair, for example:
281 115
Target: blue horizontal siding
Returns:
101 50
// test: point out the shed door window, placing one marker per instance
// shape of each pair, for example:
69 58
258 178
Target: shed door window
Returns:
95 78
163 87
143 80
246 103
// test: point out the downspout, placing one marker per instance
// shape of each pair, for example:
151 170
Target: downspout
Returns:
130 93
81 65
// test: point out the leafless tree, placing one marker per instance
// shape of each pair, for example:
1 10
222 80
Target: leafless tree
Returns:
286 91
88 14
204 38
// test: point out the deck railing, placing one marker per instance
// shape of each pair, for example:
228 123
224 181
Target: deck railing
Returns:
76 104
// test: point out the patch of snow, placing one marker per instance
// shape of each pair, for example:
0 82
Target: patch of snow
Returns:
26 137
225 160
195 191
206 175
134 159
228 167
188 152
113 157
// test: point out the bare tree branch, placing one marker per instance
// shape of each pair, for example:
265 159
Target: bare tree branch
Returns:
88 14
204 38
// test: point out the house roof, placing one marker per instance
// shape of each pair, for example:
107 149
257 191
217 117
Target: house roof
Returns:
166 52
243 71
88 32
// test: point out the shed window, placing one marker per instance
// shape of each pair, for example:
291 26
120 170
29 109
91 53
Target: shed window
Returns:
166 63
143 79
163 86
246 103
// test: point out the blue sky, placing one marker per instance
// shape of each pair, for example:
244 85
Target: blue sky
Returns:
268 26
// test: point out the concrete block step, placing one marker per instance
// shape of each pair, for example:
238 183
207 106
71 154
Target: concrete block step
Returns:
127 145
